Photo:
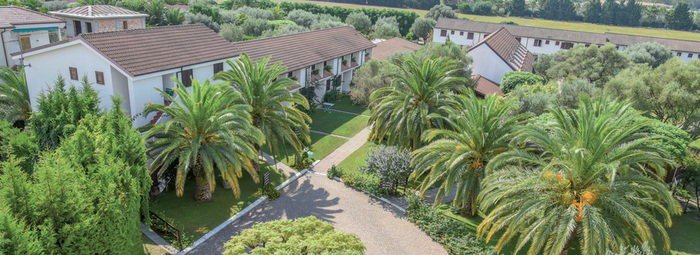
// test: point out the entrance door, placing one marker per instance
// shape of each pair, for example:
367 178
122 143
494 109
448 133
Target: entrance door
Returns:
25 43
78 27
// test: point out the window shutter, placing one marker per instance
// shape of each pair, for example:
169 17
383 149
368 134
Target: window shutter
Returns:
100 77
73 73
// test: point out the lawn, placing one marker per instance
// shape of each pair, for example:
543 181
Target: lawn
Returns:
198 218
357 158
321 145
151 248
684 233
576 26
345 104
338 123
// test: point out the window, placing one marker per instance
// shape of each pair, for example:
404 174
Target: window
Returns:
290 75
587 45
25 42
452 32
186 78
325 63
461 33
546 42
125 25
443 32
678 54
556 43
88 27
73 73
328 84
538 43
690 55
78 27
470 35
313 67
100 77
567 45
218 67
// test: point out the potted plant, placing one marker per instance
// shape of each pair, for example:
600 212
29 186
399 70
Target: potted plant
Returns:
353 60
327 68
314 72
345 62
294 78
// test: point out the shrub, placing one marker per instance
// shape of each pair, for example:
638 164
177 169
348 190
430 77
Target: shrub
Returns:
323 24
465 8
300 236
388 162
386 31
334 172
301 17
360 21
482 8
198 18
652 53
440 11
368 78
255 27
232 33
54 5
570 92
271 192
632 250
514 79
422 27
286 30
255 13
454 235
167 233
362 181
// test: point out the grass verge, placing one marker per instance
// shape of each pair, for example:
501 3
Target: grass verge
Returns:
321 145
338 123
345 104
198 218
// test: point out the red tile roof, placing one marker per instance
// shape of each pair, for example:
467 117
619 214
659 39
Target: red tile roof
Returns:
386 48
509 49
98 12
301 50
485 86
10 16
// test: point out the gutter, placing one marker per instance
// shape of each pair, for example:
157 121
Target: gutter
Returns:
4 50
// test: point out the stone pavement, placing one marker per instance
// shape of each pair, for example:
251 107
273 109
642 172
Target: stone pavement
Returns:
381 227
343 151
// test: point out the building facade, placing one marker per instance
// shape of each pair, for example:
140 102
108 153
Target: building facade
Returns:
22 30
99 18
499 53
547 41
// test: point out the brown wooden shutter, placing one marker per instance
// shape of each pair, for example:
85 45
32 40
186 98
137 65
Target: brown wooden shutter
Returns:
73 73
25 42
100 77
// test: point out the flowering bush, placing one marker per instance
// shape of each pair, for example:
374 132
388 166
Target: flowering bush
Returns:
271 192
452 234
334 172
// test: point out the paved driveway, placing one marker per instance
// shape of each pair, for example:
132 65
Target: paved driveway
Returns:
380 226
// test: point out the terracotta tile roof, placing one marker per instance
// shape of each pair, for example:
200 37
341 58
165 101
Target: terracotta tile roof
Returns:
98 12
147 50
565 35
10 16
308 48
509 49
485 86
388 47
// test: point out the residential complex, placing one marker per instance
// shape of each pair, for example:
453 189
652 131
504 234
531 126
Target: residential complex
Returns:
546 40
99 18
133 63
498 54
22 29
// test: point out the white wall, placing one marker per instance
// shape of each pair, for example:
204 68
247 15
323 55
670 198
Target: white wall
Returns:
46 67
143 91
457 38
487 63
12 43
121 87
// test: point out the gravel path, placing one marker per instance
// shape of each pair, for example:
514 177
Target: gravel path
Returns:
380 226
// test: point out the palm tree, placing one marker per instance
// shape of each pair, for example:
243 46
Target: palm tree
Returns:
271 104
210 128
400 112
479 130
592 176
14 95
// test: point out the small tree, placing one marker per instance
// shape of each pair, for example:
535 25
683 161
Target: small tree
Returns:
301 17
680 18
651 53
388 162
513 80
360 21
482 8
440 11
386 27
255 27
465 8
232 33
300 236
368 78
422 27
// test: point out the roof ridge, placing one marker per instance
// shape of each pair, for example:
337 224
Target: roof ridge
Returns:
32 11
138 30
288 35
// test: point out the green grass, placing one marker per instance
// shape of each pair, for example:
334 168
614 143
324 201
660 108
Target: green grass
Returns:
345 104
151 248
198 218
575 26
321 145
684 233
357 158
338 123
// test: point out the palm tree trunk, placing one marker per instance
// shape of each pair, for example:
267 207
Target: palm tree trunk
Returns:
569 242
202 190
256 165
469 208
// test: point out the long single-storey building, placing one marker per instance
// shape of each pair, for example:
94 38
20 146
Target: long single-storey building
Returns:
547 40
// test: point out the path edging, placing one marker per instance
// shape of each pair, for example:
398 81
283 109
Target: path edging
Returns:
165 245
372 195
239 214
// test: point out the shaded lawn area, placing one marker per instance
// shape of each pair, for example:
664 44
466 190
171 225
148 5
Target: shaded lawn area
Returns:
321 146
338 123
684 233
357 158
198 218
151 248
345 104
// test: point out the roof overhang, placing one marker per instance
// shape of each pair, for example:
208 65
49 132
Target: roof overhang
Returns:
118 16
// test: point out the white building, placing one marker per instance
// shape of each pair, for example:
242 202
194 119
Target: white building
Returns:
22 29
498 54
316 56
100 18
547 41
131 63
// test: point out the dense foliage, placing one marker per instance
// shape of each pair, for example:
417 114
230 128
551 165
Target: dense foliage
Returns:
514 79
592 63
651 53
388 163
372 75
14 96
299 236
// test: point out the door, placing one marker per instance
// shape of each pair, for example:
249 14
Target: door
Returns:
25 43
78 27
